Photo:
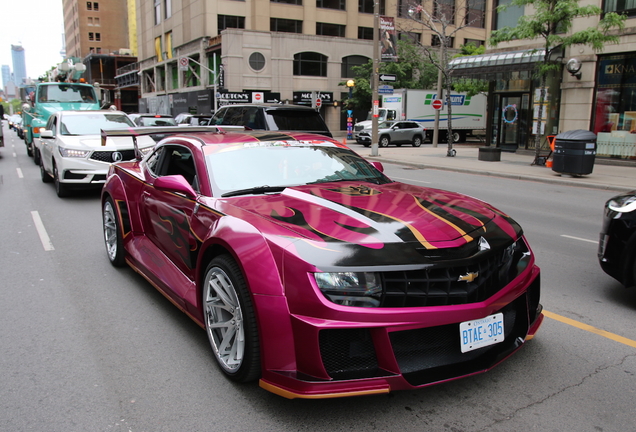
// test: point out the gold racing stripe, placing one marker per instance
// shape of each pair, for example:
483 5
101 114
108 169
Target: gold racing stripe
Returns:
458 229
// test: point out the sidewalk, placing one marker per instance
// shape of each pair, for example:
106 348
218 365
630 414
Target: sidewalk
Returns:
621 177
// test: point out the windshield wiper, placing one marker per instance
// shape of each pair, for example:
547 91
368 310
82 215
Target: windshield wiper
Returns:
255 190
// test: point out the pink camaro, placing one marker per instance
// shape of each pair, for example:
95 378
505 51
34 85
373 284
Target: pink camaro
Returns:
314 272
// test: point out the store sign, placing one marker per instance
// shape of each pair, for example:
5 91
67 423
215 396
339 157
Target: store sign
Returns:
305 98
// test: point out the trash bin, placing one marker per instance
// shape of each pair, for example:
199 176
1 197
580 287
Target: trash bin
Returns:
574 152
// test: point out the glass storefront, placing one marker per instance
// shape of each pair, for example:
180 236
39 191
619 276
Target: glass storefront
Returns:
614 114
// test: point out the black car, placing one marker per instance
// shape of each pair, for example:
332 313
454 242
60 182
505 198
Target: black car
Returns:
272 117
617 246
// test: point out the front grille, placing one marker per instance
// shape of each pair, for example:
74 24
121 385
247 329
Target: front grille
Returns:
348 353
433 354
107 156
358 128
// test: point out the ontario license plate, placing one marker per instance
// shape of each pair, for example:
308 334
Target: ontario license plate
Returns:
481 332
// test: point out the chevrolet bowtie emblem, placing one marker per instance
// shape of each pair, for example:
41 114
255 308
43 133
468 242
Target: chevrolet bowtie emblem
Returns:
468 277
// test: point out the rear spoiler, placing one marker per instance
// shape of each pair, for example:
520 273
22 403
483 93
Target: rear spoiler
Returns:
163 131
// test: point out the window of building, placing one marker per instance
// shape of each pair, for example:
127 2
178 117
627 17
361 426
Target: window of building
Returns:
157 12
444 10
327 29
257 61
403 9
98 50
98 37
294 2
168 39
310 64
91 49
365 33
91 36
507 18
366 6
285 25
627 7
168 8
476 42
90 21
349 62
411 37
89 5
191 76
95 6
230 21
96 22
476 13
435 41
159 49
331 4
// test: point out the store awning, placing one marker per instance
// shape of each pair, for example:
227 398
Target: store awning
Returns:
496 65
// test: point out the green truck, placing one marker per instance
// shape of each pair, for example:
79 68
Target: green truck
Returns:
50 97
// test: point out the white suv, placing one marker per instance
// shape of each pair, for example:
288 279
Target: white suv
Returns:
71 150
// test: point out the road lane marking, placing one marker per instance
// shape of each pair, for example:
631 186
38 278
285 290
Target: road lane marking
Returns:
579 238
19 173
44 237
589 328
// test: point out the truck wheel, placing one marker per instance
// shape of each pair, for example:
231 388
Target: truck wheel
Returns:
384 141
456 137
29 145
417 141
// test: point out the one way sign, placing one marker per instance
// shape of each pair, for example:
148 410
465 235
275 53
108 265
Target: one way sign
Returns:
388 77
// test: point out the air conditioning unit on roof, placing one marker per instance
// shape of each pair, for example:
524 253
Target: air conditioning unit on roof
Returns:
125 51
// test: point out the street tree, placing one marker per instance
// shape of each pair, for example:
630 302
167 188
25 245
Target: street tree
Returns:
551 23
444 19
471 86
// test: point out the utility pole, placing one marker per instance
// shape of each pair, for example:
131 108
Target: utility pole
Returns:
440 95
375 80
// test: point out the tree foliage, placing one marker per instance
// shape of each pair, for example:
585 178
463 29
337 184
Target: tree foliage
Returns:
471 86
552 23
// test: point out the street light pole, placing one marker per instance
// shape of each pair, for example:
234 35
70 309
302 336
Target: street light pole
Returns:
375 80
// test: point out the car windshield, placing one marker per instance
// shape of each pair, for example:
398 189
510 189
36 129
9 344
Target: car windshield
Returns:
93 123
297 120
292 163
66 93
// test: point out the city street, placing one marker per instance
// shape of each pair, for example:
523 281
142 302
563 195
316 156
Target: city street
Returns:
90 347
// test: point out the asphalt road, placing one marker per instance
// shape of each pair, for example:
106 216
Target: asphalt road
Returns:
88 347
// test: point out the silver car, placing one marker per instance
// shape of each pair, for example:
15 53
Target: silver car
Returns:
395 132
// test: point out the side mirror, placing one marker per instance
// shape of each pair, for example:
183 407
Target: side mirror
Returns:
175 184
378 166
46 133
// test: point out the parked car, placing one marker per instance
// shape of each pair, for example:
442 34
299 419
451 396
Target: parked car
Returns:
313 271
152 120
197 120
395 132
617 246
72 153
14 121
272 117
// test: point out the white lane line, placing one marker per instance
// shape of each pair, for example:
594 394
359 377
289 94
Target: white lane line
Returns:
579 238
19 170
409 180
44 237
15 154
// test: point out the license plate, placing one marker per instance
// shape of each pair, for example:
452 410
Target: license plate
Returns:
481 332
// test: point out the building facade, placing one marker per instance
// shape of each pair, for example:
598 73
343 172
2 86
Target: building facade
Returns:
19 65
199 54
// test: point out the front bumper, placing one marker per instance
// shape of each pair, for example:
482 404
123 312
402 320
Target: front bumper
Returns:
383 350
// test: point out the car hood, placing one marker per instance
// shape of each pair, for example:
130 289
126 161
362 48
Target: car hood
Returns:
336 224
47 109
94 142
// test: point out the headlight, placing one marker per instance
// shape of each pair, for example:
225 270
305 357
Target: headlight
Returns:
72 153
623 203
351 288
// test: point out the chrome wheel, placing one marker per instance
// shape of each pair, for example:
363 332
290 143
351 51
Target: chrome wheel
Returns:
229 320
384 141
417 141
112 234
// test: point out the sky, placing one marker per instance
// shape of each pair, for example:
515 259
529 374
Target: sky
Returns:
37 25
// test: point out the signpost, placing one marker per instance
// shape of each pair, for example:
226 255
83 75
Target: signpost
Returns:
183 63
318 102
437 104
385 89
388 77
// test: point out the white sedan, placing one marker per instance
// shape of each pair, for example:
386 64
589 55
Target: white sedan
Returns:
72 153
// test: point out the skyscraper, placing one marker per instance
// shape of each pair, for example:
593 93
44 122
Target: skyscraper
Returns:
6 75
19 64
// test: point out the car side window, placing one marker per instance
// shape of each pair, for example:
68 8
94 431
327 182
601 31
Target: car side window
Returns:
175 160
52 125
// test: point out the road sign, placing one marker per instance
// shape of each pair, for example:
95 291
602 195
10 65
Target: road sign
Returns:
388 77
318 102
437 104
183 63
385 89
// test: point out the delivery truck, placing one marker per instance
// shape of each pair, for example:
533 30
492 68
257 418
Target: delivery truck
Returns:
468 112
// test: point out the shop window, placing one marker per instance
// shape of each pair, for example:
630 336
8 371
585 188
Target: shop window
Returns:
349 62
331 4
310 64
507 18
476 13
285 25
365 33
366 6
327 29
230 21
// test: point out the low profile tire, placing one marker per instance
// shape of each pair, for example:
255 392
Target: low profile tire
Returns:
46 178
385 141
417 141
112 234
230 321
60 188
